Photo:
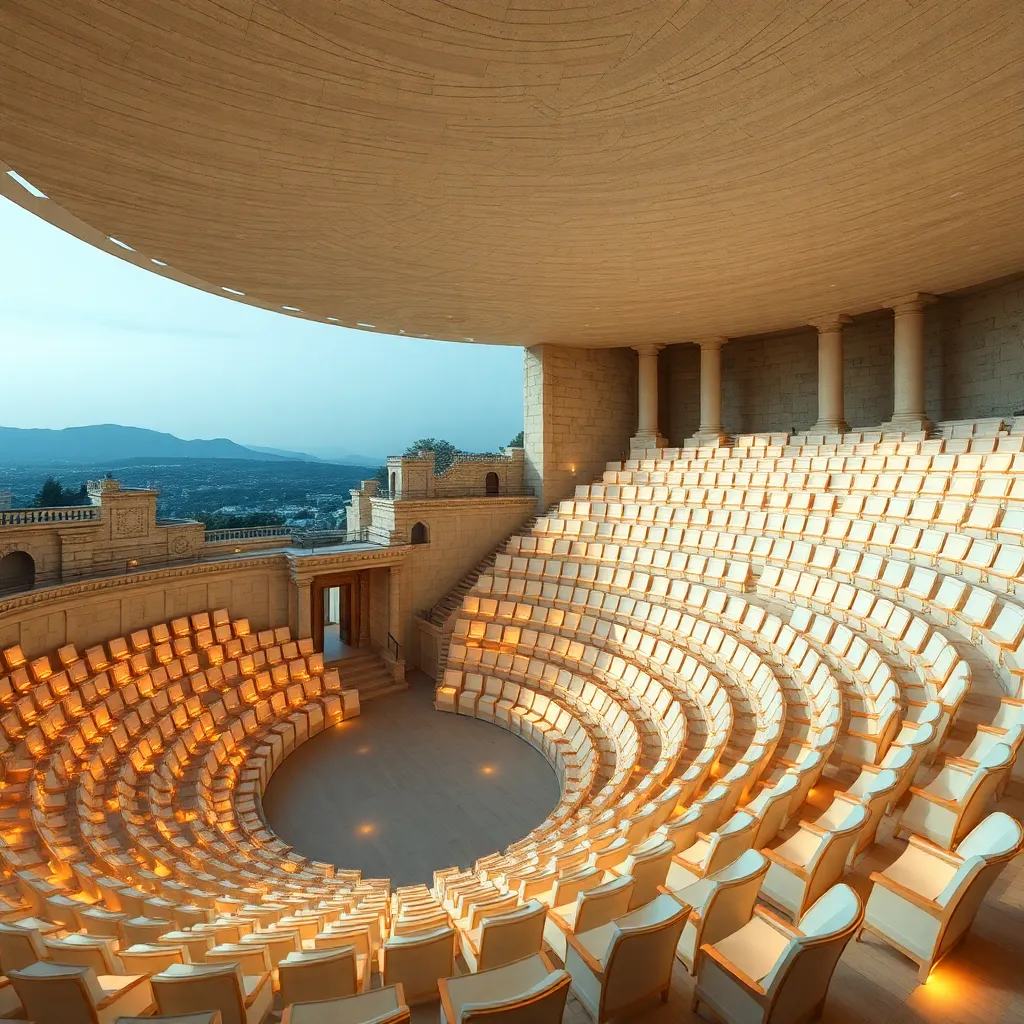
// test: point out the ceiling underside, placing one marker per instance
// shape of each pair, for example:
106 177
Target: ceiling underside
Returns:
609 172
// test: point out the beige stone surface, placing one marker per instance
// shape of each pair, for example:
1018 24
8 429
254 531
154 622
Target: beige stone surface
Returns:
590 174
579 410
974 367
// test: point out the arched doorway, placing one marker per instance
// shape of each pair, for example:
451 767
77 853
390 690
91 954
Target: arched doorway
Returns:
419 534
17 571
491 485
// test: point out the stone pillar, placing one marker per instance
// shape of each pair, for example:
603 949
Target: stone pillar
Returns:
908 362
304 608
710 429
395 601
647 434
364 608
831 402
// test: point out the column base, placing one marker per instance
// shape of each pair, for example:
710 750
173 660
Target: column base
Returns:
708 438
829 427
908 422
646 439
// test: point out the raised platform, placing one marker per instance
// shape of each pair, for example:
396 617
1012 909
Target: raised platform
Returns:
402 790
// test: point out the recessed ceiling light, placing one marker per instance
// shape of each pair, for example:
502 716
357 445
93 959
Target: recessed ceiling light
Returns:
292 309
232 291
469 339
401 331
360 324
117 241
159 263
333 319
27 185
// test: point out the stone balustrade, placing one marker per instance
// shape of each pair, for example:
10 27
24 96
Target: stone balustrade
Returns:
49 516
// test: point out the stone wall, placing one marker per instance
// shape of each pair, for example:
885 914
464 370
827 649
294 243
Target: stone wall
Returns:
579 413
414 478
460 532
89 612
975 368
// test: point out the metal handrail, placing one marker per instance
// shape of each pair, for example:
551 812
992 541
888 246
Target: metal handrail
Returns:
393 648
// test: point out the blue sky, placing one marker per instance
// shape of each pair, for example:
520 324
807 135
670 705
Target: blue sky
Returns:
88 338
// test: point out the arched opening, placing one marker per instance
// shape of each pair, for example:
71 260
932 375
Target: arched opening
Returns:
491 484
419 534
392 494
17 571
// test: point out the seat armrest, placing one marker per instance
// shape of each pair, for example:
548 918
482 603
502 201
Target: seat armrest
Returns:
585 956
935 851
927 905
114 996
785 863
783 927
953 805
251 997
730 968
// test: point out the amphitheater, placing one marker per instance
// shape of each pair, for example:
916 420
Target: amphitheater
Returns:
702 705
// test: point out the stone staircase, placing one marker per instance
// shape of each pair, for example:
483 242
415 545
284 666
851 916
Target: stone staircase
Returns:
442 612
365 670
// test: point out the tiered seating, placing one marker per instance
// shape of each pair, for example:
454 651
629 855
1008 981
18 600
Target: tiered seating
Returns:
694 644
755 616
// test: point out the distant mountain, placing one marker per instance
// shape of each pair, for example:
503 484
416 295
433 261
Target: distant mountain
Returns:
347 458
109 442
282 453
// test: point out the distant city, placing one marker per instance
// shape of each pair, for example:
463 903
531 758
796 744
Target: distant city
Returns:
238 486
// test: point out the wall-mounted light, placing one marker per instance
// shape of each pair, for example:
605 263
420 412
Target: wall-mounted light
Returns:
133 563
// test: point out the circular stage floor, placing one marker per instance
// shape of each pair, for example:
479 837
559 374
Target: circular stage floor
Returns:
402 790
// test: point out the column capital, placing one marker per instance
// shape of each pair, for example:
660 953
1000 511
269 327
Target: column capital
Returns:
711 343
647 350
826 322
912 303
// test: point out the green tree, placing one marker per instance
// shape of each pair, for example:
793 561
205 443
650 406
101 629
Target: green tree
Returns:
517 441
444 452
382 479
53 495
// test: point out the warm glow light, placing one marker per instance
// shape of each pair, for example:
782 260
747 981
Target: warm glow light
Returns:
487 770
363 750
366 829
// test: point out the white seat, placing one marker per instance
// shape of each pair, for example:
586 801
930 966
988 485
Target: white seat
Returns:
92 951
416 962
382 1006
926 900
316 975
954 801
627 960
20 946
73 994
592 909
526 991
648 864
811 861
188 988
508 936
771 970
712 852
151 959
721 903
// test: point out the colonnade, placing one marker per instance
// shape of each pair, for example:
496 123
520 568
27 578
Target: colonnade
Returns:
908 378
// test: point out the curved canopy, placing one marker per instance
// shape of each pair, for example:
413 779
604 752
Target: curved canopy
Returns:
608 172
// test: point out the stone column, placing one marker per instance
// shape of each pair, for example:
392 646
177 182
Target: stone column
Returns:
364 608
395 601
831 403
647 434
908 362
710 429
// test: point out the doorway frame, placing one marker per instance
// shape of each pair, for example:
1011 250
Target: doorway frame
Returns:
320 584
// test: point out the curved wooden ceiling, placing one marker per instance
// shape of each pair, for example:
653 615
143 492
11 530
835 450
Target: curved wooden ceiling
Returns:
607 172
